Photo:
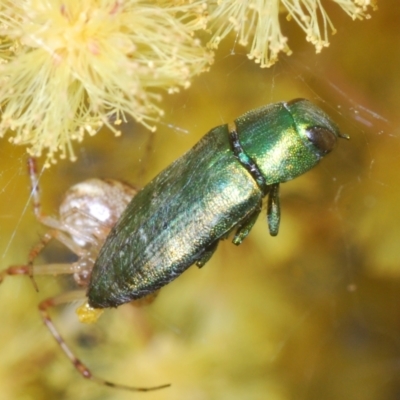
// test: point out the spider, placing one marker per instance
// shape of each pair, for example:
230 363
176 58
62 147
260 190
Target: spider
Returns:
87 213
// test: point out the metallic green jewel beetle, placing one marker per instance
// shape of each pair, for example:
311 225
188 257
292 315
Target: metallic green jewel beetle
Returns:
215 188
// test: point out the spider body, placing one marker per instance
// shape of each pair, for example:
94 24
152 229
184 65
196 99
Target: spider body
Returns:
91 208
87 213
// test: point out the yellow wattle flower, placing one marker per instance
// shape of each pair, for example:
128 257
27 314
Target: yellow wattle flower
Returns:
69 67
258 21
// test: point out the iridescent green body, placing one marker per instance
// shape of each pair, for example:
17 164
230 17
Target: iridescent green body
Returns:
215 188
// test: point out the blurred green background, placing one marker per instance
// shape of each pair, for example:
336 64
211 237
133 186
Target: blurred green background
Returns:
310 314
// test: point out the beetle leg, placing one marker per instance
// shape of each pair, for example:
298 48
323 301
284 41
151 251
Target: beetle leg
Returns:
273 210
245 227
207 254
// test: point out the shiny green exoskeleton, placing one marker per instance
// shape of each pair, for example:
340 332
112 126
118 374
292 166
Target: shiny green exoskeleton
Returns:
215 188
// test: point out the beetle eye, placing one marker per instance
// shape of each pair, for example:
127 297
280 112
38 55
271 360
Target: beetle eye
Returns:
323 139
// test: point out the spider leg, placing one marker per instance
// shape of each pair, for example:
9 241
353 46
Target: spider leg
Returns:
17 270
45 269
46 220
57 235
35 197
44 307
35 193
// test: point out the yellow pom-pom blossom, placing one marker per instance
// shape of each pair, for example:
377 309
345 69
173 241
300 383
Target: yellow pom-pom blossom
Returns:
258 20
70 66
